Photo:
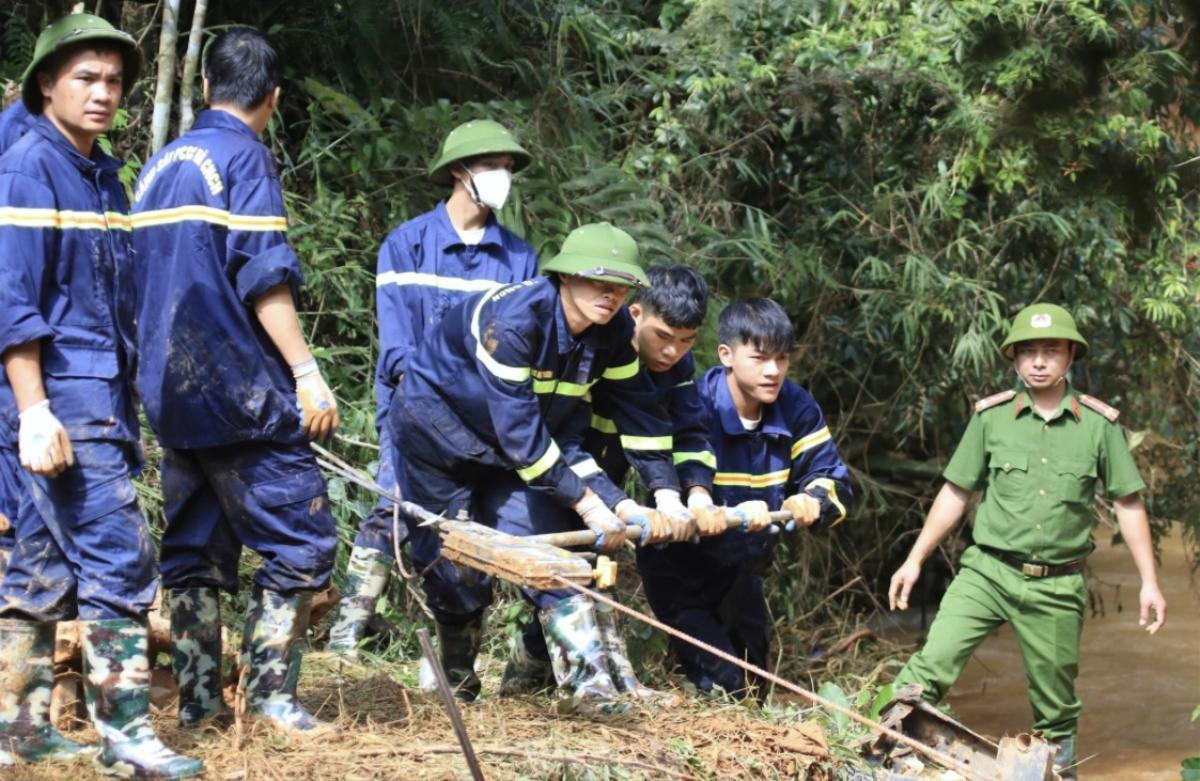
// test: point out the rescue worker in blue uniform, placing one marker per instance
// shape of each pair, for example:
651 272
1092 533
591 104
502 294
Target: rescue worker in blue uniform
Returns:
83 549
667 317
14 121
232 391
486 421
773 450
425 266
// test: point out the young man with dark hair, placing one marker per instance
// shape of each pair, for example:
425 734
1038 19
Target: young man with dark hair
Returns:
232 391
83 548
1036 452
427 265
486 422
773 450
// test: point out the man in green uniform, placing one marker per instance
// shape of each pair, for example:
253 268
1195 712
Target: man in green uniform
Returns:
1036 454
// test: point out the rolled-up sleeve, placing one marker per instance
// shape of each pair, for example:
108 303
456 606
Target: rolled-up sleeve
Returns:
257 252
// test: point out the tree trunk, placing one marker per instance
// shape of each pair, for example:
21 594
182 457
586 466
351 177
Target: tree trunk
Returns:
191 59
166 75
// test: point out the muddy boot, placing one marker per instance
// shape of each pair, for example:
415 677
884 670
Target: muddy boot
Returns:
27 677
526 673
117 679
619 666
1064 758
196 655
366 576
458 645
271 651
577 654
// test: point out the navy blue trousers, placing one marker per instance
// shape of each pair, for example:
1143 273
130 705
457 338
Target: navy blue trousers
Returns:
10 498
83 549
698 590
267 496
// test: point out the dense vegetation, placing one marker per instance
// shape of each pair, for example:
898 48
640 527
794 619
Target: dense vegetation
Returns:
903 175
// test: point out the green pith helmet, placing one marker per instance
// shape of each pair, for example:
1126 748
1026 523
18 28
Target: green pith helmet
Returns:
1043 321
70 30
477 137
602 252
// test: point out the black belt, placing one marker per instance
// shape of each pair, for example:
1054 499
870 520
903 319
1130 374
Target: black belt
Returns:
1032 568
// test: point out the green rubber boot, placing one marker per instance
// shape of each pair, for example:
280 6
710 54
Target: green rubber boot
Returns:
458 646
366 577
117 681
578 655
196 655
27 677
272 652
617 658
525 673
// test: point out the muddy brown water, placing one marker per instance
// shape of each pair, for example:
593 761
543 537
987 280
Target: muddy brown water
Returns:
1138 691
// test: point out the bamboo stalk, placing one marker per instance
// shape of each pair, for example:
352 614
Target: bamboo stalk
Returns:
191 62
166 75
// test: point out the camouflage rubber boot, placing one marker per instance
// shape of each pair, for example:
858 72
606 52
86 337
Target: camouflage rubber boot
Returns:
525 673
27 677
117 680
1064 758
272 649
366 576
578 656
458 645
617 658
196 655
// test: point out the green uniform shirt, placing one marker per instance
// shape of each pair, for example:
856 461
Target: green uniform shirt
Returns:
1038 477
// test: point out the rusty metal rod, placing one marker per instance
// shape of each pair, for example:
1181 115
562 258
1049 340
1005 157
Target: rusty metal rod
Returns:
460 729
633 532
941 758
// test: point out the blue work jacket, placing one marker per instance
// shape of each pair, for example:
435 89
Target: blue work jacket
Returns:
505 364
64 227
210 235
425 268
14 122
790 451
675 390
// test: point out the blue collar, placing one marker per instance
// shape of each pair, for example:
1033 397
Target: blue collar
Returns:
222 120
448 237
99 161
773 422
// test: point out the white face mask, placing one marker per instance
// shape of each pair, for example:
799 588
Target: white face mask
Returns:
491 187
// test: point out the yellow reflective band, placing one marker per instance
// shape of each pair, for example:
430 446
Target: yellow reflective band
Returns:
406 278
586 468
603 425
21 217
539 467
818 437
706 457
561 387
831 493
622 372
196 213
746 480
503 371
647 443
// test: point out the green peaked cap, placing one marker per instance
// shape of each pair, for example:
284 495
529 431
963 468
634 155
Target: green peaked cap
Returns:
602 252
477 137
71 30
1043 321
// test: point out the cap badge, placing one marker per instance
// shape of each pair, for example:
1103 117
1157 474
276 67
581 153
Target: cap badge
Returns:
1041 320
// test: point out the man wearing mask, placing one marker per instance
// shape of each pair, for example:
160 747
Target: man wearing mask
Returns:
425 266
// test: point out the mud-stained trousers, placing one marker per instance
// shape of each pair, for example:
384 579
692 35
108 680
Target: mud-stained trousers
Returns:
699 590
10 502
83 549
375 530
1046 616
267 496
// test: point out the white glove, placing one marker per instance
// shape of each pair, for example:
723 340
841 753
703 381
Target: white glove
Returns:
655 527
805 509
318 407
609 529
42 441
683 524
710 519
755 515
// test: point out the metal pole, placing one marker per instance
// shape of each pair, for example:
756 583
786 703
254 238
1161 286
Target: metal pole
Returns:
460 729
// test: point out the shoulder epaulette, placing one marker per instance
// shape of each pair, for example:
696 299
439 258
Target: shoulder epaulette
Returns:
1094 404
994 399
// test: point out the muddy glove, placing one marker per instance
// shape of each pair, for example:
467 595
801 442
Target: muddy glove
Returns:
754 514
42 441
683 525
655 526
609 529
710 519
318 408
805 510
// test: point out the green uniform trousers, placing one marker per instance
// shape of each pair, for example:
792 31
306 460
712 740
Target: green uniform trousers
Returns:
1047 617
